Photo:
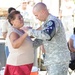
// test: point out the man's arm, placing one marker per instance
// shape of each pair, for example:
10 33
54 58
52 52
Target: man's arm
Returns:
4 34
4 29
37 43
45 34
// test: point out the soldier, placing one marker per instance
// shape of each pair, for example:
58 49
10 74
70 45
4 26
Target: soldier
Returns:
52 33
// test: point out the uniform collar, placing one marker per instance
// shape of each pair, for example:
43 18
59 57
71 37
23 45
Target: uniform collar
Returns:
48 18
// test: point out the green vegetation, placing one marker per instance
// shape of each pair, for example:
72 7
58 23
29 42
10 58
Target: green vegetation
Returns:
74 1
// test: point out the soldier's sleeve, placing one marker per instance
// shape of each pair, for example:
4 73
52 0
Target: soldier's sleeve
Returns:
37 43
45 34
50 29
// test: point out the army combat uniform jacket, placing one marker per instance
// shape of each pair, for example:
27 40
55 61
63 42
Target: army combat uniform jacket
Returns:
54 41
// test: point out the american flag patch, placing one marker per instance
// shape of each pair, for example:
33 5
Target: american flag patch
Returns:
50 27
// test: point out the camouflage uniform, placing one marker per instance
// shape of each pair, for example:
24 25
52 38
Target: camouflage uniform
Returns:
57 54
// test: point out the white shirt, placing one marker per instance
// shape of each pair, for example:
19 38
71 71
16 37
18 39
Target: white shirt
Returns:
6 25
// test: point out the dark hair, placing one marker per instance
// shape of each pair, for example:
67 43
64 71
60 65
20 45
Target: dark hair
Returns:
10 9
11 16
74 30
72 65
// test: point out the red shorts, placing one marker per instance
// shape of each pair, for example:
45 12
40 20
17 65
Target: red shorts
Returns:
18 70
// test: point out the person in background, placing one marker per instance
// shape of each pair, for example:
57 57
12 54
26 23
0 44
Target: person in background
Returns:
52 33
5 27
26 12
66 15
21 47
71 44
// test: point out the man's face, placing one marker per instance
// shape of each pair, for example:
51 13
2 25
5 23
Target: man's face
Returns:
39 15
24 5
